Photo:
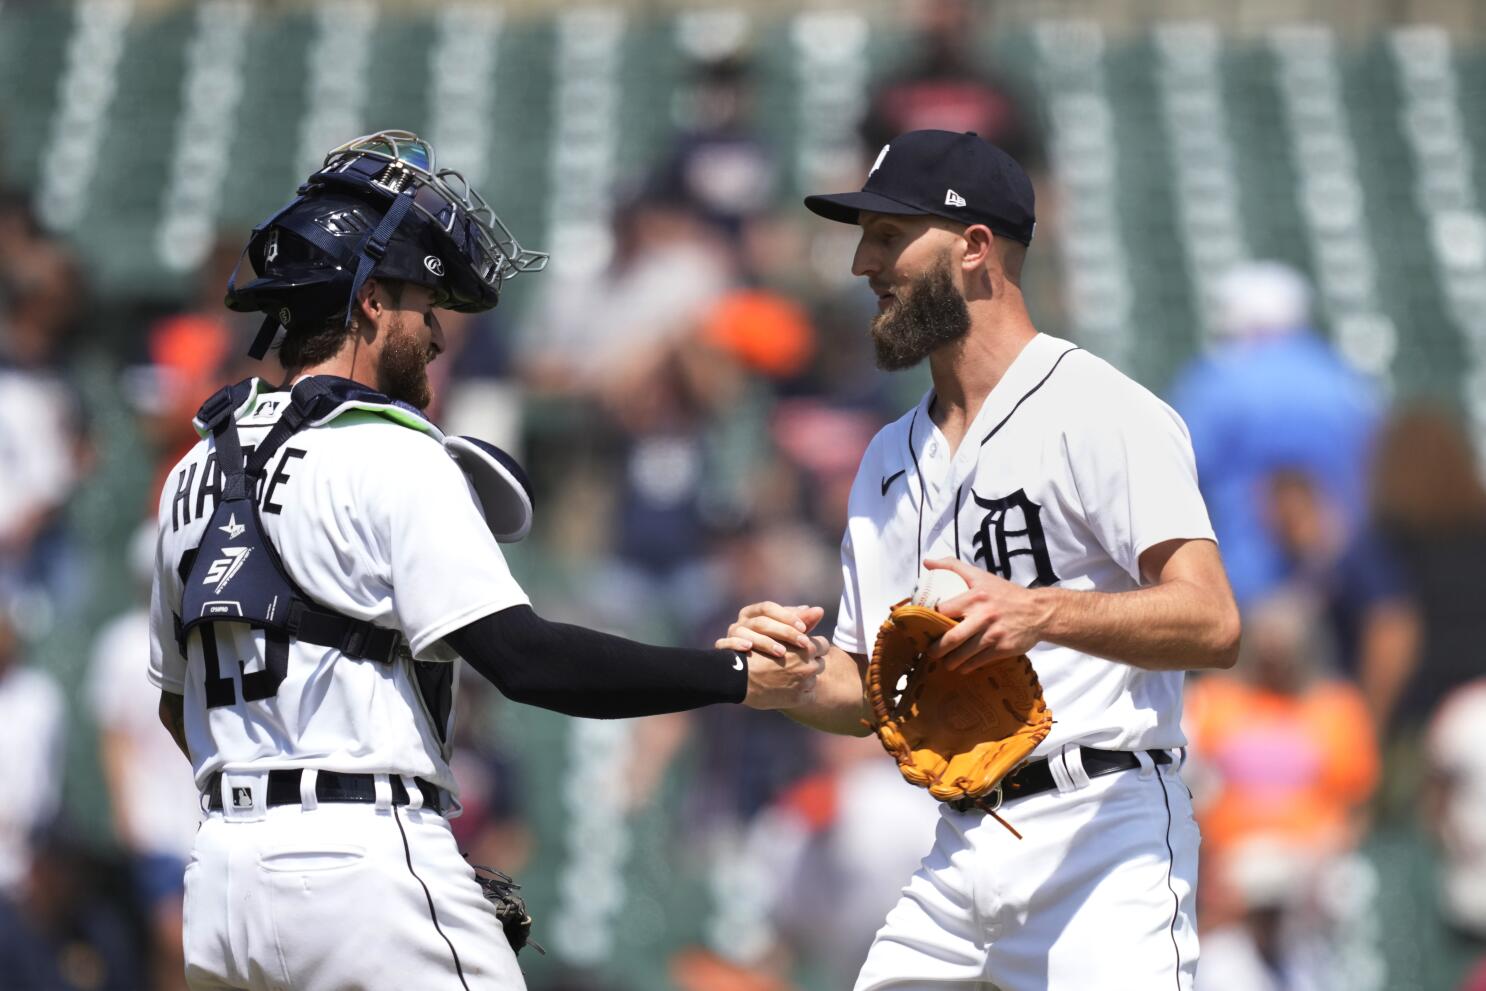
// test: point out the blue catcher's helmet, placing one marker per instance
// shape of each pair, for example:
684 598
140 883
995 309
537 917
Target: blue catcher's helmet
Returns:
379 205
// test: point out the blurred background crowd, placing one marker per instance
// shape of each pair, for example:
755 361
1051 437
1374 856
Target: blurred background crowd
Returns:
1276 224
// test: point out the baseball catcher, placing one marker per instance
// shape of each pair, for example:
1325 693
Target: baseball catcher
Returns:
325 556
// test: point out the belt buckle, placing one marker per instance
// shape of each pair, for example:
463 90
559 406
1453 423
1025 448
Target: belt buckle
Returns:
992 800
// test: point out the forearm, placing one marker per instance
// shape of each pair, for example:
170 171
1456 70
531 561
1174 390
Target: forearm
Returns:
1174 626
581 672
838 705
173 717
115 757
1390 650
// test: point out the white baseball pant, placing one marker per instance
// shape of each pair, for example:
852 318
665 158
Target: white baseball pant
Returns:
338 897
1099 895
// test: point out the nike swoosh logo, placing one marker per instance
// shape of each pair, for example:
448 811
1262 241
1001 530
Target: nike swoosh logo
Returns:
737 662
888 480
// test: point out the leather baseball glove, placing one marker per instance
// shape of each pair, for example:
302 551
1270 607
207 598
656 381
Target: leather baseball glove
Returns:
955 734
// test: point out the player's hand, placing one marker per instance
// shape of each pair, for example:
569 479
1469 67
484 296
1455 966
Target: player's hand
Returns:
784 661
772 629
998 618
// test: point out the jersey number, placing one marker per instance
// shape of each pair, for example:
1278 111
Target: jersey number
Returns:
256 686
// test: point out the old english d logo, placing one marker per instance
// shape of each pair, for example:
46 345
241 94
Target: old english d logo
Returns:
1012 526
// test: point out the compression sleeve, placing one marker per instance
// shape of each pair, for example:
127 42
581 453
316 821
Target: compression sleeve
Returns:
581 672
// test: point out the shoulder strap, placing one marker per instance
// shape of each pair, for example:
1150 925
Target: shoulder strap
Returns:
216 415
305 401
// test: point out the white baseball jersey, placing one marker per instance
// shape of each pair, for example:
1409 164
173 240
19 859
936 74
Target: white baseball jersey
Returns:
372 519
1068 473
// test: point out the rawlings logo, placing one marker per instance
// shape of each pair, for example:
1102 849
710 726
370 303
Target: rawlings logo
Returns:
434 265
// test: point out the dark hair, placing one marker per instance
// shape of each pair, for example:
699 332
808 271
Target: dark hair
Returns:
311 347
1424 471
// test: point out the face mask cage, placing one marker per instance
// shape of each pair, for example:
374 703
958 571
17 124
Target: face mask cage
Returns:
396 161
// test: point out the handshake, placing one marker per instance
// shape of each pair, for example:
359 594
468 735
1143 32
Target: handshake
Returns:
784 660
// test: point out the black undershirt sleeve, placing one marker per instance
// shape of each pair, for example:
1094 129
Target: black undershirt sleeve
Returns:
581 672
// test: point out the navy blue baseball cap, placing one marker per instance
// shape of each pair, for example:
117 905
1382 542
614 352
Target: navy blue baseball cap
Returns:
958 176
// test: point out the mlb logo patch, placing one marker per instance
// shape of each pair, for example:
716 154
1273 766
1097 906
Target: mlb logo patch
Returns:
242 797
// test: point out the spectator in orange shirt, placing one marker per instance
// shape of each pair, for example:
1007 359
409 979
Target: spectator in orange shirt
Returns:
1284 749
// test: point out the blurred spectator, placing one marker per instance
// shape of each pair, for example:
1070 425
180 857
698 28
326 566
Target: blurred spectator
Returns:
42 450
746 758
1455 804
767 334
156 807
947 86
40 287
717 164
596 335
576 981
819 868
32 724
1282 750
1431 507
1272 395
491 828
695 969
1373 623
658 410
75 921
26 962
1283 761
826 443
188 356
840 845
1278 943
474 391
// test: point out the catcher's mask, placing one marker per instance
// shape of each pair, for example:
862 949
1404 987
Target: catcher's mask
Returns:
379 205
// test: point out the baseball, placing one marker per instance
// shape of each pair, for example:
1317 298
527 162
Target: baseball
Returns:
937 586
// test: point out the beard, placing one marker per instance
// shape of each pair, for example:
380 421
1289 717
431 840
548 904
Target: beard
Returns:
930 314
402 372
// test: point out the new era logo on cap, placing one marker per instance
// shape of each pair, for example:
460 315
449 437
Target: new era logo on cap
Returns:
959 176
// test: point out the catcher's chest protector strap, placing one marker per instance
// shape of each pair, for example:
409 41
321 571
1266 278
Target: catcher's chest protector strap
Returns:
235 576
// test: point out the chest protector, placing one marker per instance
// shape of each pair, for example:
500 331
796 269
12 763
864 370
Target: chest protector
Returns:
235 576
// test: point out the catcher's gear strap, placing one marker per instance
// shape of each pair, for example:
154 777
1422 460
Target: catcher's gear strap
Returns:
234 575
581 672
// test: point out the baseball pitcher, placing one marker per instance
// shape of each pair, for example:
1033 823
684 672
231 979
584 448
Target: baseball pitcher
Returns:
1039 694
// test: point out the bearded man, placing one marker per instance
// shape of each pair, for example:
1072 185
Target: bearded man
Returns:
1065 495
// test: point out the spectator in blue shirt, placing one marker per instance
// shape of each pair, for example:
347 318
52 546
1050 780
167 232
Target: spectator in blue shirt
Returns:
1270 395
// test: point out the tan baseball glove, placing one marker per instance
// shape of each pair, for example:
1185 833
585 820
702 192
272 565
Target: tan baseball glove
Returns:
952 733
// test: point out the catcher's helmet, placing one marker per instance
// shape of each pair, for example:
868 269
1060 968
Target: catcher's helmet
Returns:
378 206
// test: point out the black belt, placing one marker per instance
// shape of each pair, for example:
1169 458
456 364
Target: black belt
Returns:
330 786
1037 777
